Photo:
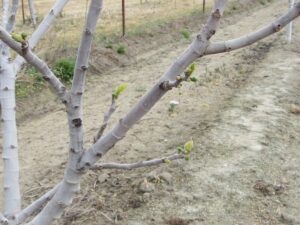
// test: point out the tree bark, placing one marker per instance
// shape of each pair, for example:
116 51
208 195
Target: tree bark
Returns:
32 12
12 196
70 184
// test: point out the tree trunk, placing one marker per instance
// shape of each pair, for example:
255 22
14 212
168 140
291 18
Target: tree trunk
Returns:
12 199
32 12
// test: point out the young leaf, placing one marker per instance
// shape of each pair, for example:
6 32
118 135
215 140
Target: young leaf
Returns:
190 69
121 88
193 79
187 157
24 35
167 161
17 37
188 146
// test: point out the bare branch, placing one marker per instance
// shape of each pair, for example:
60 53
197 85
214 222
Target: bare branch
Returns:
39 64
140 164
253 37
12 17
195 50
106 118
3 220
32 12
36 206
41 30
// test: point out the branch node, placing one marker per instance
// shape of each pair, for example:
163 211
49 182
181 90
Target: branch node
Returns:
84 68
87 31
77 122
165 86
216 14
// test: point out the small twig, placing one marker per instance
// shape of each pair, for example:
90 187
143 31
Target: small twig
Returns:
106 118
147 163
3 219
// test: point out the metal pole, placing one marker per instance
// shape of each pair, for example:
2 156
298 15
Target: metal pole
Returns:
203 3
123 18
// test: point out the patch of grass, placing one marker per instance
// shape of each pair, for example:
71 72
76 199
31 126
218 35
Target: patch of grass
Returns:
29 83
109 44
263 2
121 49
185 34
64 69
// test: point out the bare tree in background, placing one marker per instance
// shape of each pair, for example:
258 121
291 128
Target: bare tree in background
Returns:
32 12
51 205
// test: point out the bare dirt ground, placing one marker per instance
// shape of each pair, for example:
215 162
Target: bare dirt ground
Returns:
246 161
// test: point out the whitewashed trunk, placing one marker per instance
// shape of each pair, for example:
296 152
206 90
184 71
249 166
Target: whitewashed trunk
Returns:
12 199
32 12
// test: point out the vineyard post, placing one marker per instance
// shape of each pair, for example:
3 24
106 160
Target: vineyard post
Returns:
123 18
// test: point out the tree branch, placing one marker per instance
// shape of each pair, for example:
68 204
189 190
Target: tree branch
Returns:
12 17
106 118
41 30
195 50
140 164
253 37
39 64
36 206
3 220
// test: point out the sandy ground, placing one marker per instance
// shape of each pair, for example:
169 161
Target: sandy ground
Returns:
244 168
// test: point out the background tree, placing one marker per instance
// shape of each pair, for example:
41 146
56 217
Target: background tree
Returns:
80 160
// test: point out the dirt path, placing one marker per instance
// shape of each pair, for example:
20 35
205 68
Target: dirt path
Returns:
245 165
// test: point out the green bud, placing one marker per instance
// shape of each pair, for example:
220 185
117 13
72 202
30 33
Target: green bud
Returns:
190 69
17 37
167 161
188 146
193 79
179 150
187 157
24 35
121 88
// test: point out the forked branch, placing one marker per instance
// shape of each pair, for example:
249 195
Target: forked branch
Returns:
35 61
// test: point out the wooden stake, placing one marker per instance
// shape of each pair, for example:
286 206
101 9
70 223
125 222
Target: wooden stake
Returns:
123 18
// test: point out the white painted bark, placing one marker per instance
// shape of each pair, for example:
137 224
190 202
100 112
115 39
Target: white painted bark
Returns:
41 30
80 161
253 37
70 184
7 99
12 16
32 12
290 26
3 220
35 206
12 198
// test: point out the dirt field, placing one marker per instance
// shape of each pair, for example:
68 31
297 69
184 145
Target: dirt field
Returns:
241 115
